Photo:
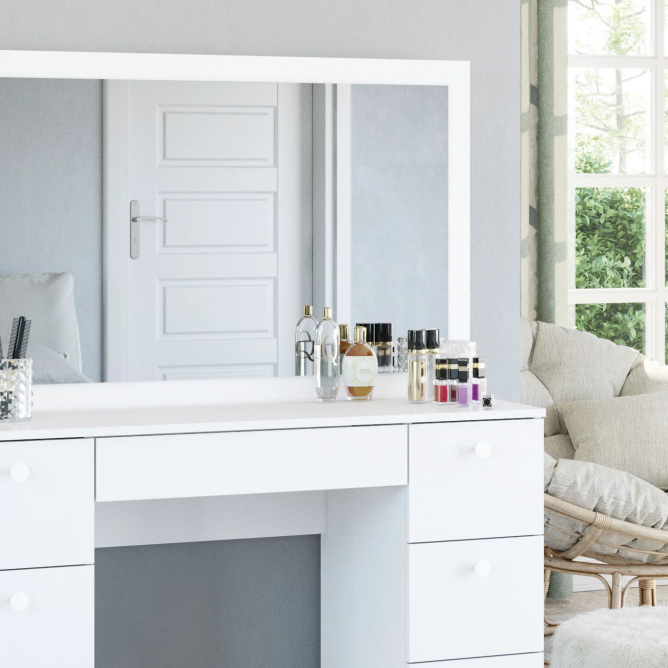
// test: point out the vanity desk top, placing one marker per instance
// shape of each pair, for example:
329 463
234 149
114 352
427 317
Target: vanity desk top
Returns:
100 423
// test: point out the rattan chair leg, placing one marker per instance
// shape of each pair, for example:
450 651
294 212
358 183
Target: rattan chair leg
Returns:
616 602
647 591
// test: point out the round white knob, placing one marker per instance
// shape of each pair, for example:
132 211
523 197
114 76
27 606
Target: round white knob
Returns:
19 472
19 601
483 569
482 450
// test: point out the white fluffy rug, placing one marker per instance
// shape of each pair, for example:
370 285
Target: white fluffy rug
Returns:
628 638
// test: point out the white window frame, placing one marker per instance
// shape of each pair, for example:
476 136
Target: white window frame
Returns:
655 294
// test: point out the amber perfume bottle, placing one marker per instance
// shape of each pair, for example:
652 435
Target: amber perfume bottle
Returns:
344 339
360 368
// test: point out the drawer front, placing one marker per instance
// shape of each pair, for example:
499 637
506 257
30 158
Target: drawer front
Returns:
47 497
189 465
475 598
47 618
472 480
515 661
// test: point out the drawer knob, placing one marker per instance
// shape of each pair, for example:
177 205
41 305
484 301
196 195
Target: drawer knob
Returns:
483 569
482 450
19 601
19 472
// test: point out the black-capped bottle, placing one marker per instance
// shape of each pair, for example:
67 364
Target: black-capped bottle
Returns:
417 366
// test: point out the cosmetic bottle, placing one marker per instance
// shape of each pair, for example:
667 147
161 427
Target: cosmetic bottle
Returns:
370 332
433 352
327 357
304 339
463 387
384 347
441 382
453 377
344 339
359 368
417 366
402 355
479 381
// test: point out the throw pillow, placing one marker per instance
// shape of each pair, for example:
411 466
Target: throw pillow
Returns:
627 433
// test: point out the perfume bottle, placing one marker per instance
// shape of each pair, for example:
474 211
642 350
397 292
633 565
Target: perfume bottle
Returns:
453 377
417 366
479 381
344 340
359 368
327 357
384 347
433 352
304 339
463 388
442 382
370 332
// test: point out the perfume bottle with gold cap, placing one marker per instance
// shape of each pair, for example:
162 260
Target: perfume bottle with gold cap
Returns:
327 355
359 368
304 341
344 338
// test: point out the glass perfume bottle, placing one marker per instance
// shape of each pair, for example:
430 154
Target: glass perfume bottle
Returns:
344 339
479 381
384 347
453 377
402 354
370 332
304 340
463 387
359 368
433 352
327 357
417 366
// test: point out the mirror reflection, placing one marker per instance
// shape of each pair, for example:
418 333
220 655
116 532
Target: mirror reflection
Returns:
176 230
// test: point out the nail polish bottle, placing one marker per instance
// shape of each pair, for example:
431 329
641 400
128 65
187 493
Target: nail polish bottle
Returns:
441 382
479 381
327 357
417 366
433 351
463 387
304 338
359 368
453 385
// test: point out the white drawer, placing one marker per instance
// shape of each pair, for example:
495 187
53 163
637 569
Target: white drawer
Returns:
515 661
57 627
455 612
459 491
255 462
47 518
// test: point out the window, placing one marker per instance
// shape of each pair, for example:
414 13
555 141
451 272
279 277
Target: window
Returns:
618 172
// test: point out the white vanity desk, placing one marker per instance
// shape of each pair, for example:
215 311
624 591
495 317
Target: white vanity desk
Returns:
431 518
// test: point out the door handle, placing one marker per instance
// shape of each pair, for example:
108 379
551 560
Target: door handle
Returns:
135 219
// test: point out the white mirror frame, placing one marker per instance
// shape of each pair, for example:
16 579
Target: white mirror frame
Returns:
453 74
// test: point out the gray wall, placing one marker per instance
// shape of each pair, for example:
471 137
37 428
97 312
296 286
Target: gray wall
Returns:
400 206
483 31
51 192
228 604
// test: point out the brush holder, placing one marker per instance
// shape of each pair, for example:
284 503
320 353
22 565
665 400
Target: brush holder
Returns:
15 389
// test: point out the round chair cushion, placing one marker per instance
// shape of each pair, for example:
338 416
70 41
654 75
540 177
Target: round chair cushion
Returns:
628 638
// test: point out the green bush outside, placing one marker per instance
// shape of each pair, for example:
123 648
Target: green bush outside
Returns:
610 252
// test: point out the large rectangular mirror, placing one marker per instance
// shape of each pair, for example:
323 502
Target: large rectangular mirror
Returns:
169 230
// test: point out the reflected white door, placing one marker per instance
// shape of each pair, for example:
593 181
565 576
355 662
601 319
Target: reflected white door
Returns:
218 288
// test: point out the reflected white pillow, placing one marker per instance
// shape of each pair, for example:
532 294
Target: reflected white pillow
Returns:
50 367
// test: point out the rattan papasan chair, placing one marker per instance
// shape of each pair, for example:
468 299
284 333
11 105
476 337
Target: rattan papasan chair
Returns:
594 511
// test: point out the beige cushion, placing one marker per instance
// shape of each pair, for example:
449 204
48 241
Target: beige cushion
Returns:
560 446
646 378
627 433
534 393
47 300
577 366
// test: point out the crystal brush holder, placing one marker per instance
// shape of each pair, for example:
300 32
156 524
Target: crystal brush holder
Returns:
15 389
